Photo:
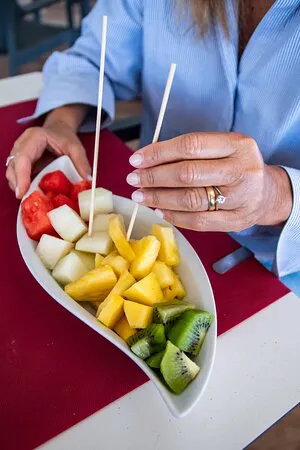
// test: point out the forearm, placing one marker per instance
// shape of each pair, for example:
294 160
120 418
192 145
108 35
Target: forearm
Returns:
71 115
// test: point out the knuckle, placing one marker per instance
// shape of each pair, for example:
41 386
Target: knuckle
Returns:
155 199
192 200
188 172
149 177
155 155
191 144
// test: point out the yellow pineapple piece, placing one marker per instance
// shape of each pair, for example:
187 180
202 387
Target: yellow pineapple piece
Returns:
117 233
165 276
123 329
112 312
146 255
146 291
93 286
125 281
117 262
138 316
135 245
98 259
168 253
175 291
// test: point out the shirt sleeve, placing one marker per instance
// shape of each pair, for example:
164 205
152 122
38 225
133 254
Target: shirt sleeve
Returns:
288 248
72 76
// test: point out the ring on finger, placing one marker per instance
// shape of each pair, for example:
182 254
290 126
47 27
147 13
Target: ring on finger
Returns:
9 160
211 197
220 198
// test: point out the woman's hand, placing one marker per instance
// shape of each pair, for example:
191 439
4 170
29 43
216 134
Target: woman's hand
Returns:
172 176
58 135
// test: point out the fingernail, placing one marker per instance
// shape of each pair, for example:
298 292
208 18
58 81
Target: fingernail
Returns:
89 177
138 197
133 179
17 192
159 213
136 160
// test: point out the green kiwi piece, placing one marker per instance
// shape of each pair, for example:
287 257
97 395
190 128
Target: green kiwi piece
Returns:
166 312
189 331
154 360
142 348
177 369
155 332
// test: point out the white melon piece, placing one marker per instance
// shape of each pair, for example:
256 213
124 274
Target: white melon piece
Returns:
88 259
101 222
103 202
51 249
70 268
99 242
67 223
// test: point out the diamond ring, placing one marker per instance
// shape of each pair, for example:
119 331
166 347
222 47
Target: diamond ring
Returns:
220 198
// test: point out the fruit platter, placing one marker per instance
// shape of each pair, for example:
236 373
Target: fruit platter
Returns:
149 296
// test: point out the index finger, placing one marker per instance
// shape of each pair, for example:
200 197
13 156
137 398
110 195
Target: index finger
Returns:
185 147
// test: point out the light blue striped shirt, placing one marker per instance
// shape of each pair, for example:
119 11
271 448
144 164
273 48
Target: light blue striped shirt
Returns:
258 95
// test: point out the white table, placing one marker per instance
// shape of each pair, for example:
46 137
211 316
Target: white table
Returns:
255 381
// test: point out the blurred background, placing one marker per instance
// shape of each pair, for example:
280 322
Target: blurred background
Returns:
30 30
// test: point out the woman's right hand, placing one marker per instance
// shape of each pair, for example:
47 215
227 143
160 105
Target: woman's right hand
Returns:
56 136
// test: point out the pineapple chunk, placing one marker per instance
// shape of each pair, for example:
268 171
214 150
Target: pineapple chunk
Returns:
125 281
135 245
117 232
146 255
146 291
112 312
165 276
168 253
98 260
175 291
93 286
117 262
138 316
123 329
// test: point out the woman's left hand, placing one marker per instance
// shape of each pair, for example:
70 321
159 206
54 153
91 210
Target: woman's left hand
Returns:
172 176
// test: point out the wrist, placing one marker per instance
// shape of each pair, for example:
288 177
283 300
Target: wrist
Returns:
69 115
278 196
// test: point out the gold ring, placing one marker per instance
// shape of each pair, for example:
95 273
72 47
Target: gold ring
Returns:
211 196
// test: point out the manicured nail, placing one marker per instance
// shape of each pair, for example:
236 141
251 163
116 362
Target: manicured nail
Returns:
138 197
136 160
159 213
89 177
17 192
133 179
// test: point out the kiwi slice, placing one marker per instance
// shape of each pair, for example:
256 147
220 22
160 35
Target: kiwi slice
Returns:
142 348
148 341
189 331
155 332
154 360
167 312
177 369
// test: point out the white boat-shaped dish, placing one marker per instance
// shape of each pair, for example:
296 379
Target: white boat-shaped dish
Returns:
190 270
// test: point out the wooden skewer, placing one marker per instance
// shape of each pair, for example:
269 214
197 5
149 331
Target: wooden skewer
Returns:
98 122
156 134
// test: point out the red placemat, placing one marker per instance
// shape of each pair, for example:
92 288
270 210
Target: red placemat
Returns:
55 371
